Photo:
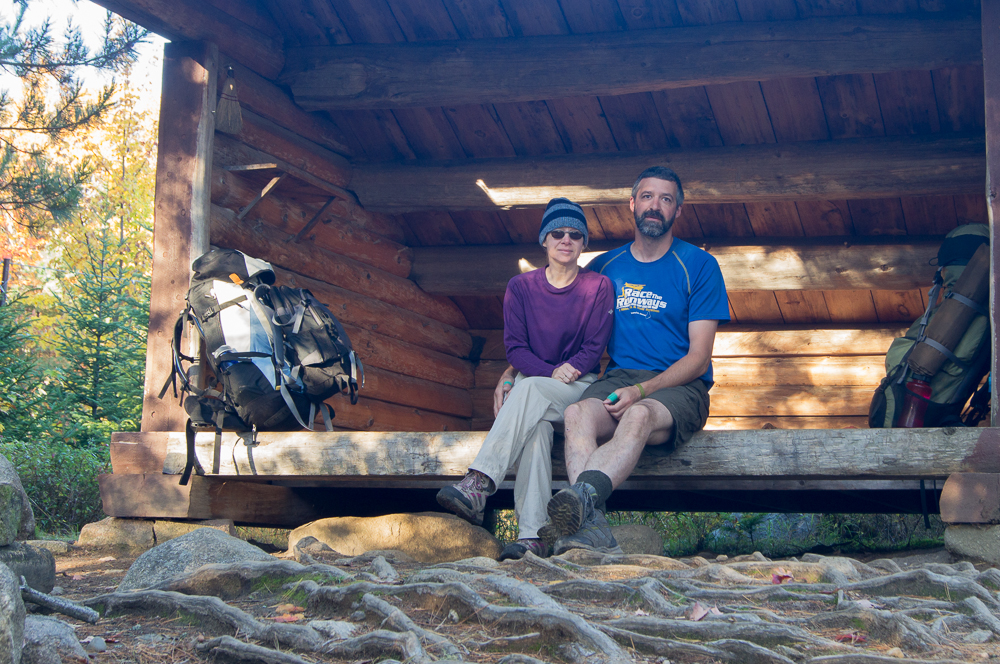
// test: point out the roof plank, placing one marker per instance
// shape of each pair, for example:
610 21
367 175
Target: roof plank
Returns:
615 63
812 170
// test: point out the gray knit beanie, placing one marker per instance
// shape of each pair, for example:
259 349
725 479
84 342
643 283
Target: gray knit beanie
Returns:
563 213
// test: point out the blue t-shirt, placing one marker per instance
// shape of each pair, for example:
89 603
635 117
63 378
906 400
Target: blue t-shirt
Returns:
654 302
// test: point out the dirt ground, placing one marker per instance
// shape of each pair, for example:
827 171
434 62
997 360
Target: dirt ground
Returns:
151 639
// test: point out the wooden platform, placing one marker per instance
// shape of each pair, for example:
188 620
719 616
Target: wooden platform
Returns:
298 476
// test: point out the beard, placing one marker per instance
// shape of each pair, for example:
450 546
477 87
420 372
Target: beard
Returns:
653 224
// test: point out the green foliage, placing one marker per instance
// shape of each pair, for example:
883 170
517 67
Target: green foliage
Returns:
38 181
60 480
24 413
102 343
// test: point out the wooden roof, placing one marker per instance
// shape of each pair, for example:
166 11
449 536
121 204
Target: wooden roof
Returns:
267 36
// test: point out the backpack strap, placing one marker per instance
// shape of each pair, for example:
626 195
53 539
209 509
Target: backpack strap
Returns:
192 457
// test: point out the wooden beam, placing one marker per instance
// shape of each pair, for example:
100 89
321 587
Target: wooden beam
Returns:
793 341
267 100
756 341
991 89
181 210
446 73
858 264
778 454
887 167
187 20
162 496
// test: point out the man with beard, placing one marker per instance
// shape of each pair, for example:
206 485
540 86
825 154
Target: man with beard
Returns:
670 299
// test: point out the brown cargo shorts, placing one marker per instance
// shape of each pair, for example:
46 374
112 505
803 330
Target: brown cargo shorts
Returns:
688 404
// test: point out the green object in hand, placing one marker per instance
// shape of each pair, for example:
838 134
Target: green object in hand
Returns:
613 397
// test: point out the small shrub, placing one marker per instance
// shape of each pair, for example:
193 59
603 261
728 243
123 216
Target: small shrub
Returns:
61 482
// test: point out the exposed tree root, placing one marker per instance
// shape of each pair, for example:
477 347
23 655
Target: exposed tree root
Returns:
228 649
522 593
229 581
764 634
400 622
983 615
925 583
377 643
211 614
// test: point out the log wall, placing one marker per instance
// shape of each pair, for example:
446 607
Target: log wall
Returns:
415 346
786 378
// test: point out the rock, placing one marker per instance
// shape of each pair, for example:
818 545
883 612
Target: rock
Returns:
886 565
11 617
25 529
978 636
187 553
95 644
637 538
55 546
114 533
895 652
838 565
427 537
164 531
10 513
50 641
981 542
37 566
334 629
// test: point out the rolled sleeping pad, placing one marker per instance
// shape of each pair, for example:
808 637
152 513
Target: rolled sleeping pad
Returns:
953 317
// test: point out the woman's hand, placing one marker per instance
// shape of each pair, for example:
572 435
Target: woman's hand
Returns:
566 373
504 386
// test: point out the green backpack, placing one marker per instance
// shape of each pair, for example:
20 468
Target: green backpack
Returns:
958 378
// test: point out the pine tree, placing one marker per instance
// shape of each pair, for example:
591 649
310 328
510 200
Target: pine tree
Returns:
37 182
23 411
104 296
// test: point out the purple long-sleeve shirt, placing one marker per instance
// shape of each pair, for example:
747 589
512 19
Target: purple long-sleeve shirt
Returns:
545 326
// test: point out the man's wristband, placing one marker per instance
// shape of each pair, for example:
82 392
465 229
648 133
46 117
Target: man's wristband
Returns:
642 392
507 382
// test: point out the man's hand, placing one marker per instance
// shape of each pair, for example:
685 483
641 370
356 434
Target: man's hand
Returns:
565 373
504 386
626 397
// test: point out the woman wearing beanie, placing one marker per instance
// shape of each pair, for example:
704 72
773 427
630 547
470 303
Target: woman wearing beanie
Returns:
557 321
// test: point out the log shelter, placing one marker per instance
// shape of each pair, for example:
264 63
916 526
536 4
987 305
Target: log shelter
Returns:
395 157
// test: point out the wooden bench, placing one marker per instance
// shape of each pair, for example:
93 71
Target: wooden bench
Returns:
289 478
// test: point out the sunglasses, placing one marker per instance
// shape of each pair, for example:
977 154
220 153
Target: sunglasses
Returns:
573 235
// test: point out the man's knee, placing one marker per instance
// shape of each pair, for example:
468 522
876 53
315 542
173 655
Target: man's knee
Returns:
579 412
649 414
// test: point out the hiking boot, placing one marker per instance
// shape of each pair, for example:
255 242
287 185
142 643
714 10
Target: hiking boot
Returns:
516 550
595 535
568 511
467 499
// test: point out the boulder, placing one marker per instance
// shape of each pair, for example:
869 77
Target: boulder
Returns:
51 641
428 537
114 533
11 617
55 546
972 541
26 526
187 553
164 531
36 565
637 538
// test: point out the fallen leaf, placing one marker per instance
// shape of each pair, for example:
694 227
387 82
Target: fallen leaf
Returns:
640 612
866 604
697 611
715 611
289 617
780 576
105 559
77 577
288 608
854 637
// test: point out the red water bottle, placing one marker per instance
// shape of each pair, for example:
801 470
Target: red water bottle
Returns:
918 394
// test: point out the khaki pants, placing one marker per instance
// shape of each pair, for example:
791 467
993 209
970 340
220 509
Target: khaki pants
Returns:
521 438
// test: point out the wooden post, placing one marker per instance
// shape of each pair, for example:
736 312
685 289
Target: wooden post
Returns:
182 209
991 84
